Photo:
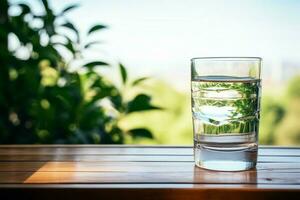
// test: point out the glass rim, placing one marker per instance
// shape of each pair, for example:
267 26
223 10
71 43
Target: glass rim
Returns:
236 58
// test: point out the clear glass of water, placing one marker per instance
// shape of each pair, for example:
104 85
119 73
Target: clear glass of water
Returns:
225 107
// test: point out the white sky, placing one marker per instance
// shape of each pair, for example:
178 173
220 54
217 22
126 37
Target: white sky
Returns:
159 37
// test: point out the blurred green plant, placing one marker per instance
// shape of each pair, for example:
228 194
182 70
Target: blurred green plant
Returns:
42 100
288 129
279 122
272 113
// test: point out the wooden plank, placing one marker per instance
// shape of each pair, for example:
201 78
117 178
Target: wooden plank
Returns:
32 150
132 158
126 167
148 194
81 158
152 186
124 146
138 172
211 177
279 152
96 151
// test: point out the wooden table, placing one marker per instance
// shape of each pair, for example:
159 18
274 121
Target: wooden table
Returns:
139 172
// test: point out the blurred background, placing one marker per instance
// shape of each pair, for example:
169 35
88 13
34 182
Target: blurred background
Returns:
99 71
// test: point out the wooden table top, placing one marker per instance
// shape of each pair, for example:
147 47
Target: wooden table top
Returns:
140 172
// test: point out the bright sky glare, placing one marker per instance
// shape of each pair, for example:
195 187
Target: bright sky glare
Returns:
159 37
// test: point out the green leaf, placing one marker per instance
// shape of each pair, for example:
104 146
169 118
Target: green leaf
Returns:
96 28
139 80
140 103
25 8
88 45
50 29
95 63
68 8
116 100
70 46
45 3
140 132
123 73
70 26
64 101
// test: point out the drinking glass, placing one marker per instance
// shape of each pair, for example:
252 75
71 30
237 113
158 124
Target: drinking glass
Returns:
225 106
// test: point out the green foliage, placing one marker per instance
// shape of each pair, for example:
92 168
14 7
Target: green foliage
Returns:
42 100
90 44
139 80
123 73
288 129
172 125
272 113
91 65
140 102
280 116
96 28
69 8
293 90
279 122
140 132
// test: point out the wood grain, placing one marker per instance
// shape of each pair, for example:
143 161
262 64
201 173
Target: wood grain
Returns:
250 177
140 172
148 193
129 158
112 150
127 167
